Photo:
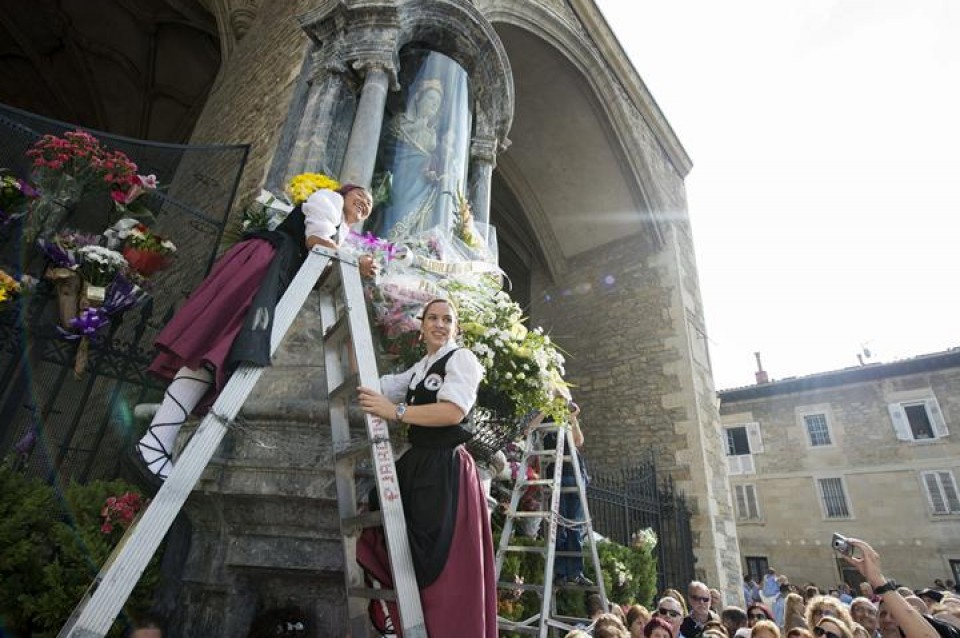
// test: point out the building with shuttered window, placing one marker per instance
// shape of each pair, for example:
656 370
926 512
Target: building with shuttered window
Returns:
870 452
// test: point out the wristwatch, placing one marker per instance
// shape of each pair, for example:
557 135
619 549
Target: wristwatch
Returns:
890 585
401 410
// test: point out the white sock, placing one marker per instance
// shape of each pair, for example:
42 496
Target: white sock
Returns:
182 396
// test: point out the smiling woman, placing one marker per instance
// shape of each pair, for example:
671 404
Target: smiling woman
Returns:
443 501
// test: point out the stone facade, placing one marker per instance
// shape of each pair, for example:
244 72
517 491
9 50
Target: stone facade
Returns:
887 499
573 161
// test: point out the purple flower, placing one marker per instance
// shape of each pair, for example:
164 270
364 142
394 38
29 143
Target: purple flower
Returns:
55 253
121 295
25 445
88 322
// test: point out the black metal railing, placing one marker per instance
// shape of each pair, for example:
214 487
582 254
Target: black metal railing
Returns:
81 426
630 498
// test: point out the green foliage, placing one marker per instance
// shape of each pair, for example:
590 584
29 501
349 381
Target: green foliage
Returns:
28 512
629 574
49 556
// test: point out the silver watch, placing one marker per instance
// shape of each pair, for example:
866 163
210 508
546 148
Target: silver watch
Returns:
401 410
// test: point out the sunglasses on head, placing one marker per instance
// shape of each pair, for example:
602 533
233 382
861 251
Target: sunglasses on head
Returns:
823 633
668 612
760 616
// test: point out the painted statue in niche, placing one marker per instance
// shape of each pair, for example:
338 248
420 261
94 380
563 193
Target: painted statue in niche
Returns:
422 164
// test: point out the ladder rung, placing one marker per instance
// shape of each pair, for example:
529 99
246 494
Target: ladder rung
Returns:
521 586
352 449
338 331
542 453
535 549
351 525
535 482
530 514
348 386
519 629
373 593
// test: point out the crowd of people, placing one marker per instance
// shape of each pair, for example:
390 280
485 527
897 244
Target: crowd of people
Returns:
777 608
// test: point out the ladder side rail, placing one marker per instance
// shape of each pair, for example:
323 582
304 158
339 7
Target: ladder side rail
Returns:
588 520
357 618
550 537
388 487
506 534
122 576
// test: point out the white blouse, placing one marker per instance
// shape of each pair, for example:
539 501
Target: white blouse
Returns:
323 214
463 375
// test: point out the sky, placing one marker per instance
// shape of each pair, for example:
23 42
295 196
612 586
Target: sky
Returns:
825 191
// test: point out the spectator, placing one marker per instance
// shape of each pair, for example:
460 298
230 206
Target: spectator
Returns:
757 612
637 618
859 631
846 596
765 629
810 592
779 605
733 618
676 595
715 627
832 627
699 596
799 632
577 633
864 612
793 613
670 610
930 596
657 627
594 606
148 626
609 626
820 606
716 600
751 592
770 588
909 621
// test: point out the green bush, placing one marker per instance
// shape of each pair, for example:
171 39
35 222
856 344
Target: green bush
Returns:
49 556
629 574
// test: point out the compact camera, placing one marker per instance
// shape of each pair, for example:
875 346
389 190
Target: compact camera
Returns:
841 545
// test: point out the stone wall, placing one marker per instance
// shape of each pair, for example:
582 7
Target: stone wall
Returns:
888 502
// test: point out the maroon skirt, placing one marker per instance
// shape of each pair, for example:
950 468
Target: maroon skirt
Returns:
462 601
202 332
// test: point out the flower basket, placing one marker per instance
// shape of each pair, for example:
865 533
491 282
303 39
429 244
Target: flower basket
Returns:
146 262
494 424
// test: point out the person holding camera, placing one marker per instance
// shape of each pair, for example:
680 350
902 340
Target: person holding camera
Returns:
912 623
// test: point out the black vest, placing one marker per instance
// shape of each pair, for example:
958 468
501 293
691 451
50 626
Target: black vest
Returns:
424 393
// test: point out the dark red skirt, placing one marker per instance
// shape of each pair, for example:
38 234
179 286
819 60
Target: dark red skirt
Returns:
462 601
203 330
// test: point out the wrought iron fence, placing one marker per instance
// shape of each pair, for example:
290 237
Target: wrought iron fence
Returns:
79 428
630 498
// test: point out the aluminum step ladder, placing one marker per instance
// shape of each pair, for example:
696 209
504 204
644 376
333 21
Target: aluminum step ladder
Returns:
112 587
547 619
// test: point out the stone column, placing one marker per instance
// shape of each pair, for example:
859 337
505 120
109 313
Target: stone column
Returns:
483 159
365 134
327 84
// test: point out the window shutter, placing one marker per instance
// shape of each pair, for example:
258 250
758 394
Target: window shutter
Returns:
753 435
741 501
751 497
933 493
937 421
733 465
950 492
900 424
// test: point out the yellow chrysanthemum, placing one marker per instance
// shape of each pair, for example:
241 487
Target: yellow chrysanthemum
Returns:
305 184
3 295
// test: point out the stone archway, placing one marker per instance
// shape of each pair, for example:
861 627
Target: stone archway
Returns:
140 69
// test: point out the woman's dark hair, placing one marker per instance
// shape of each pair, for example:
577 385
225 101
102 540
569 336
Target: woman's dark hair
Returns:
346 188
761 607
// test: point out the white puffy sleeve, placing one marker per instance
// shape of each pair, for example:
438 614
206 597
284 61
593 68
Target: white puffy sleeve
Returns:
394 386
462 378
323 212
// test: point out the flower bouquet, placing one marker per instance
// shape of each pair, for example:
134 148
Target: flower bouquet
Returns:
121 511
9 289
147 252
99 266
62 252
15 196
66 168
